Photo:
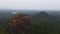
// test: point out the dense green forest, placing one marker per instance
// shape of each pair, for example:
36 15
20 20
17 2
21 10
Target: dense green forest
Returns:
42 23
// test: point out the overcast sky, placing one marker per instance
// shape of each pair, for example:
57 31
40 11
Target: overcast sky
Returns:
30 4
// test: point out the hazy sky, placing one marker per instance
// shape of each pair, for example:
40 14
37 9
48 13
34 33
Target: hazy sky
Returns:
31 4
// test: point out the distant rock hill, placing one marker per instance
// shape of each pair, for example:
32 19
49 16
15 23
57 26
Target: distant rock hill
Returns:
43 16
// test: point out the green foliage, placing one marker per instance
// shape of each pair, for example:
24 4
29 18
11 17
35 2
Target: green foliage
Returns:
38 27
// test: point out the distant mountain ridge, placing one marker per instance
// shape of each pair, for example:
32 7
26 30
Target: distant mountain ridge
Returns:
8 13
